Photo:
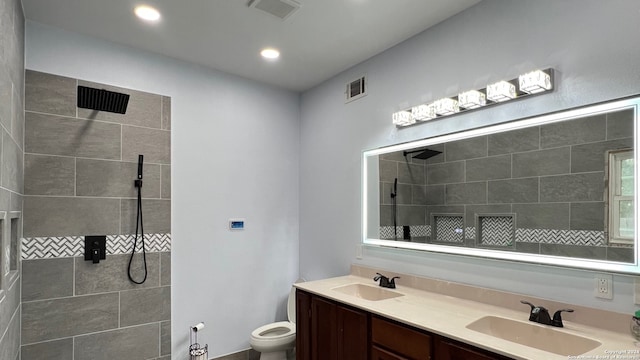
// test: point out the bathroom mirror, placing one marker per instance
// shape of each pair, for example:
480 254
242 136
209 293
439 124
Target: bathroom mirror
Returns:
555 189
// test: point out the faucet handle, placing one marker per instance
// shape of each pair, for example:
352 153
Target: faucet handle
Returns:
538 313
533 314
392 282
528 303
557 317
384 281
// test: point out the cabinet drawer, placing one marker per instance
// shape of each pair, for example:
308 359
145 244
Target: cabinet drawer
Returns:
382 354
400 339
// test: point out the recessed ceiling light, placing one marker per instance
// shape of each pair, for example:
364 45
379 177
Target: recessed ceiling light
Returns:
270 53
147 13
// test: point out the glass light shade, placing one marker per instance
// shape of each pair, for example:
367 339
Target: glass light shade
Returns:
501 91
423 112
446 106
535 82
403 118
472 99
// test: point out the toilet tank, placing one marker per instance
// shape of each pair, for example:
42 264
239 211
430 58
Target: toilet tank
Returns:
291 305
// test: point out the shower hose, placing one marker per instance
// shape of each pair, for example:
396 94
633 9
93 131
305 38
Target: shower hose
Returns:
138 185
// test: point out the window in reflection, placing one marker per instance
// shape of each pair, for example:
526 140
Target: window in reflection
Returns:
621 223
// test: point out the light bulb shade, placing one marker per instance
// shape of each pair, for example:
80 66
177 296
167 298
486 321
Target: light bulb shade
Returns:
535 82
403 118
446 106
501 91
472 99
423 112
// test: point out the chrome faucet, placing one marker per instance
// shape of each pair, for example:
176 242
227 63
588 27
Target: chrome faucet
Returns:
385 281
540 315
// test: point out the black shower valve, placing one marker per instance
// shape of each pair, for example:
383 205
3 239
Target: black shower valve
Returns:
95 248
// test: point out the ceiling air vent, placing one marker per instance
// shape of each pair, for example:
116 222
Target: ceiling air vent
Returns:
356 89
281 9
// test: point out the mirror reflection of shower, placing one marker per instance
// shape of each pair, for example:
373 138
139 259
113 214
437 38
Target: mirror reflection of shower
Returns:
421 154
424 154
394 194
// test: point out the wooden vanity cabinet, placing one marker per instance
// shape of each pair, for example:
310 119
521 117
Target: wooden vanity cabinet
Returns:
333 331
329 330
392 340
447 349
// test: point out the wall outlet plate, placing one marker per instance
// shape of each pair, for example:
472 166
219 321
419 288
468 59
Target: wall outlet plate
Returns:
603 286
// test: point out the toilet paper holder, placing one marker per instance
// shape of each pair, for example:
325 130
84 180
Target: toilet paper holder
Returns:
197 352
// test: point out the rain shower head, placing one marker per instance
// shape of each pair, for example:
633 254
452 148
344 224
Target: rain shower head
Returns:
424 154
102 100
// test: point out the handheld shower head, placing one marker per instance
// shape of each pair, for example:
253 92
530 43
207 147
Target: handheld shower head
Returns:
140 161
394 193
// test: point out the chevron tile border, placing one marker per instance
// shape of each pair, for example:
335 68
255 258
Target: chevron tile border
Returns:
565 237
545 236
386 232
71 246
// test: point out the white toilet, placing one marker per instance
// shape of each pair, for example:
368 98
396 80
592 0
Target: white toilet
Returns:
276 341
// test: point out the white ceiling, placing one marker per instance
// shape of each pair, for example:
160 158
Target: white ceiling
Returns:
323 38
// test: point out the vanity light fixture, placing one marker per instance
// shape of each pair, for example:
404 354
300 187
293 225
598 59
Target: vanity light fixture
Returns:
147 13
446 106
423 112
528 84
472 99
501 91
535 82
403 118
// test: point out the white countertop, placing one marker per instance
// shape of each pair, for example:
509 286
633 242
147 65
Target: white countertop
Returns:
449 316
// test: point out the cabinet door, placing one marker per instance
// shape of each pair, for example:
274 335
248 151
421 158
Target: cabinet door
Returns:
450 350
324 328
382 354
303 325
400 339
353 342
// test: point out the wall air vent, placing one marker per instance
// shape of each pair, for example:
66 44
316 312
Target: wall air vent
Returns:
282 9
355 89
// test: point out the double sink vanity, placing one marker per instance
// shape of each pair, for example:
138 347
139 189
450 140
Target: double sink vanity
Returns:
351 317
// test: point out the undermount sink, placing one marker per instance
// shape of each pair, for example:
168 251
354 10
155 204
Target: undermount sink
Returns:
534 335
372 293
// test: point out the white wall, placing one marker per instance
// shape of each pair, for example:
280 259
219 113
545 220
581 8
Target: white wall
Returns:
593 47
235 153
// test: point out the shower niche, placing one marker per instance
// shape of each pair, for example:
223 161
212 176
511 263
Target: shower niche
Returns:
10 250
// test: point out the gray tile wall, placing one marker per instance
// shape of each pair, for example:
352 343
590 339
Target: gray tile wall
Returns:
411 190
78 180
551 176
11 169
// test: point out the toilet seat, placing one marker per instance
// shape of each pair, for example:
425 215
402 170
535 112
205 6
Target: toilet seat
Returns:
274 336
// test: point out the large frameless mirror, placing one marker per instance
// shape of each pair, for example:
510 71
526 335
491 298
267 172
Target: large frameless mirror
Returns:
555 189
